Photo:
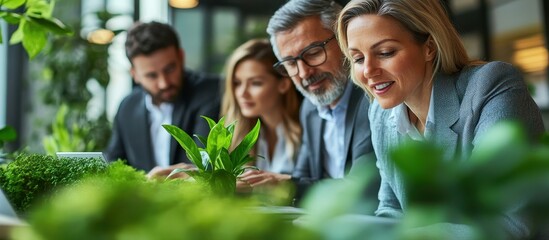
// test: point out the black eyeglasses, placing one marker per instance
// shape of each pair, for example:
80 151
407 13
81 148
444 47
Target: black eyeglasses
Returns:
313 55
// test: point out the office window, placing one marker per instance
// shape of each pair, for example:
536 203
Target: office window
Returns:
520 40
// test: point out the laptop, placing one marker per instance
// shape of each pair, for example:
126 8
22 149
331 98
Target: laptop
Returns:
81 155
6 210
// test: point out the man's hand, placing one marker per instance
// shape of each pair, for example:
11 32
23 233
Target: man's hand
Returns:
161 172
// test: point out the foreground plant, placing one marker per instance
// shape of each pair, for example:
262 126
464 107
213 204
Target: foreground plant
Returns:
217 166
32 177
121 204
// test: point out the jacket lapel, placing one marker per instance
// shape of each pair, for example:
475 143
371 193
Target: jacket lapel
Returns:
446 113
142 142
177 120
350 117
317 124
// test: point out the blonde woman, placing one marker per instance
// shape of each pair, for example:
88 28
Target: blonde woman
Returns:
408 56
254 90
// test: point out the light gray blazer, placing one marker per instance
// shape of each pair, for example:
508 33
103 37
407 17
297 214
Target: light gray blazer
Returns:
466 104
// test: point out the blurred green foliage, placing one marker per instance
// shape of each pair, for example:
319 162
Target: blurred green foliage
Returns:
506 172
7 134
216 166
34 23
71 64
75 138
119 204
32 177
470 195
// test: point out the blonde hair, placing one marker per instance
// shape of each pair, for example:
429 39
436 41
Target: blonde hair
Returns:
261 51
423 18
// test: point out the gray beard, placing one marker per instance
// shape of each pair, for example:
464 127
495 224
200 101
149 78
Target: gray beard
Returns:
324 96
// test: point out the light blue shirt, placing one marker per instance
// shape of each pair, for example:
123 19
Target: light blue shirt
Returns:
334 134
160 138
405 127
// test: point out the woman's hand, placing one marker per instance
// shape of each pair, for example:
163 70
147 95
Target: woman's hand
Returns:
163 172
255 178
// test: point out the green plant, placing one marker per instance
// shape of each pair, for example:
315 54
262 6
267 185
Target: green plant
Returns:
7 134
505 172
217 167
71 65
34 23
116 206
63 140
30 177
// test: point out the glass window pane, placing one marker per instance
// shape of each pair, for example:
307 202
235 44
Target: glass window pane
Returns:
520 40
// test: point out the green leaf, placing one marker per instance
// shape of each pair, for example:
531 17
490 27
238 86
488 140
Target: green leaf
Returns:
17 36
201 139
34 38
187 143
53 25
499 137
190 172
206 159
225 159
8 133
211 122
38 8
242 164
231 127
239 153
50 145
223 182
11 18
545 139
216 140
12 4
238 171
59 130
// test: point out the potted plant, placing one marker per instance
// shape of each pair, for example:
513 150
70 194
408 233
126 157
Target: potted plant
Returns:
218 163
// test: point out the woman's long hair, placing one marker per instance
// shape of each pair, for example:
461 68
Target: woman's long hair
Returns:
261 51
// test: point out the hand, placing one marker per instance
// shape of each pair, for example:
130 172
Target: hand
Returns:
255 178
163 172
243 187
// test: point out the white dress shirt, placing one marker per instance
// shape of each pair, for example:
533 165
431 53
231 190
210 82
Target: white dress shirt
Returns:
405 127
334 134
280 161
160 138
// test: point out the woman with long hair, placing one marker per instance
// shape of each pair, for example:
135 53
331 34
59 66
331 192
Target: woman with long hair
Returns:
254 90
408 56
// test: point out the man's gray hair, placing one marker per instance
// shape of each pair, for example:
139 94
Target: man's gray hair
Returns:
294 11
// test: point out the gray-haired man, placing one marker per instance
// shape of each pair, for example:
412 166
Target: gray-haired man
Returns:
336 131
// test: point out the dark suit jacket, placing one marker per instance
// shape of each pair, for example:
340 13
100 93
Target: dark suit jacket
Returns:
131 138
310 162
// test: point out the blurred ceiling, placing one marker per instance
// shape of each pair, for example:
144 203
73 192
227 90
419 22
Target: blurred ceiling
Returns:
247 6
254 7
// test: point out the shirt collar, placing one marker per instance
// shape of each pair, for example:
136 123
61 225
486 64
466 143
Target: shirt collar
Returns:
327 113
163 107
404 127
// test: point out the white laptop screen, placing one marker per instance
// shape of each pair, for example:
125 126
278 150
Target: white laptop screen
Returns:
5 207
81 155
